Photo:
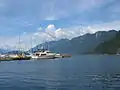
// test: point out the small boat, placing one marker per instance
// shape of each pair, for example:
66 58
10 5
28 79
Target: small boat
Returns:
65 55
58 55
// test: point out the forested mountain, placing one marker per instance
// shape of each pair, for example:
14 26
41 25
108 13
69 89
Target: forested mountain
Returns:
111 46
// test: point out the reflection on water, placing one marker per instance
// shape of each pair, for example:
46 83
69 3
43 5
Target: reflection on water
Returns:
76 73
105 81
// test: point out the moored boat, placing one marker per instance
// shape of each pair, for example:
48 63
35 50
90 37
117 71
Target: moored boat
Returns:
58 55
43 54
19 57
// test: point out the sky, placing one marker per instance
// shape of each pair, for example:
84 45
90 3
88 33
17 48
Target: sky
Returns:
38 21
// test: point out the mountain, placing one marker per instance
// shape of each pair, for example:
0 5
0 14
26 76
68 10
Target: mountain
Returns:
2 50
88 42
60 46
79 45
111 46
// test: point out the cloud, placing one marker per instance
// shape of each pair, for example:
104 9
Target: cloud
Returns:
28 14
50 27
49 9
53 33
18 16
81 29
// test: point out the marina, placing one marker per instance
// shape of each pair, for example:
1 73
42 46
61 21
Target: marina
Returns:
41 52
38 55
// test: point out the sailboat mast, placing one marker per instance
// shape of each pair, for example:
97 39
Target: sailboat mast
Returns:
31 45
19 43
48 45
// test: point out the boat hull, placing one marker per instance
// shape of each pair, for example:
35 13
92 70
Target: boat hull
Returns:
44 57
21 58
14 59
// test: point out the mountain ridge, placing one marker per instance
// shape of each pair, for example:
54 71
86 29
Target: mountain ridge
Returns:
111 46
81 44
85 44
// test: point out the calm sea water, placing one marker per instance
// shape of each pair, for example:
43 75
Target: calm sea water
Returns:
76 73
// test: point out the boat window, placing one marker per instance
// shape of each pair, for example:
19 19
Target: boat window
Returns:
43 54
37 54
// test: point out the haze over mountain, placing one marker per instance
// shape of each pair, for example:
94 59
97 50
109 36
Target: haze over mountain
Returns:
79 45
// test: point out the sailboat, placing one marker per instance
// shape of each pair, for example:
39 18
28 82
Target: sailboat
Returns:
19 55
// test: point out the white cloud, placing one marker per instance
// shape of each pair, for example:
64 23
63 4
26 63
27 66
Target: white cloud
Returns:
59 33
51 27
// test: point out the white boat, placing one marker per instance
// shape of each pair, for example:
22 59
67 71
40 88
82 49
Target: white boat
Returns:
43 54
1 55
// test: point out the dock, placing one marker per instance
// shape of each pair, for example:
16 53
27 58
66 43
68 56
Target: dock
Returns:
8 58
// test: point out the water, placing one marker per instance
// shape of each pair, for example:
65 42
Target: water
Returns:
76 73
